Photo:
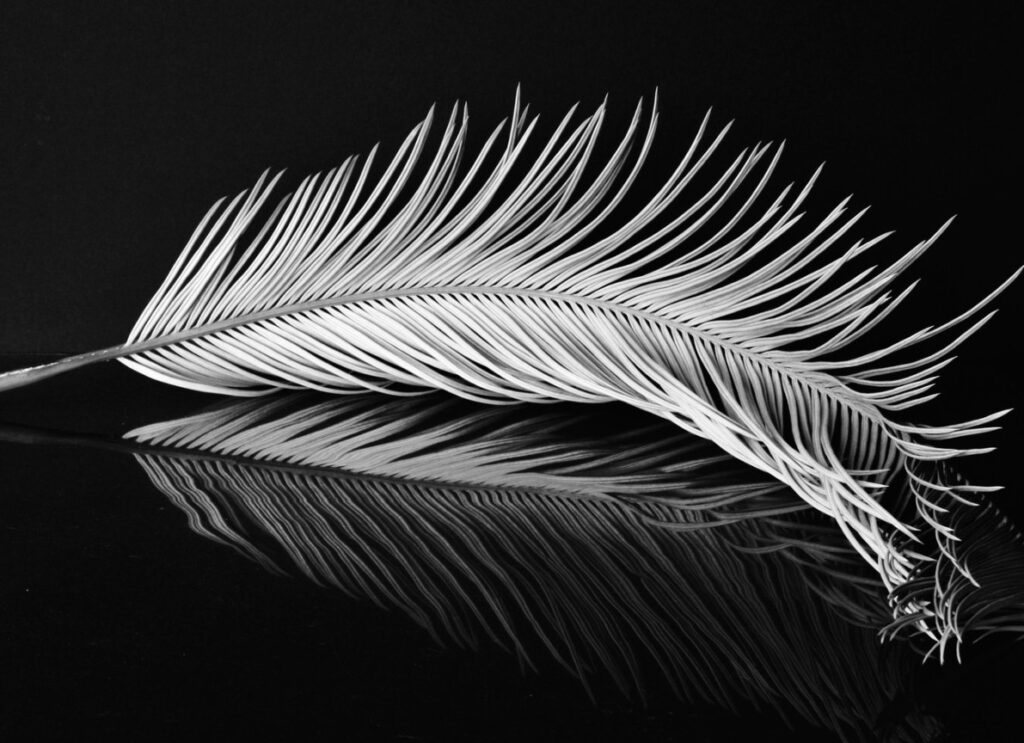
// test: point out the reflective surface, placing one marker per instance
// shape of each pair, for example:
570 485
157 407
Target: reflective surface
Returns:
425 569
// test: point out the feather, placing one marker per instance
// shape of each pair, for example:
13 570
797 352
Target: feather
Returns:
520 279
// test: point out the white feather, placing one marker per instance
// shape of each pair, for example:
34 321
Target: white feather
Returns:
517 278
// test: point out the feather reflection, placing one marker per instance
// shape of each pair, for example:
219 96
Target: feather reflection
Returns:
621 548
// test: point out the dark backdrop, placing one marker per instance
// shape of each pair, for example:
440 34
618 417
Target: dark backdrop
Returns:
123 121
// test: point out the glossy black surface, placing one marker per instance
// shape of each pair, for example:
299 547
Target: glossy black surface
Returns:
122 122
119 619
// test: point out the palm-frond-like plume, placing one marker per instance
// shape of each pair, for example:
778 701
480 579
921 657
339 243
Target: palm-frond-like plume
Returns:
618 557
520 278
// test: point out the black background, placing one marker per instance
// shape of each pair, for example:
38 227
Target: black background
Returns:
123 121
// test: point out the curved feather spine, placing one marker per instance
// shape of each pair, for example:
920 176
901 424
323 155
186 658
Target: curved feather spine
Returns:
496 294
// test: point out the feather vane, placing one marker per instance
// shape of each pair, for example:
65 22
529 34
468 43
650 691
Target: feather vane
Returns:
518 280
